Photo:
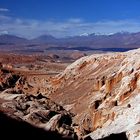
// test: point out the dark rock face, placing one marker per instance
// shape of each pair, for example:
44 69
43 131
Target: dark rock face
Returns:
7 79
16 129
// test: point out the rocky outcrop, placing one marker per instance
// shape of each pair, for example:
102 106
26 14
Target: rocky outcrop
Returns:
103 92
20 98
41 112
7 79
16 128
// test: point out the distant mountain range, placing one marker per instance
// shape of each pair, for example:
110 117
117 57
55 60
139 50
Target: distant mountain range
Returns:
85 41
44 39
11 39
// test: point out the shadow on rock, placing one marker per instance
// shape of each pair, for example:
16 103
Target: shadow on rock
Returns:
18 129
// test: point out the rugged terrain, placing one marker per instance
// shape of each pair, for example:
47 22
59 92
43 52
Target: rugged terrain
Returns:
96 97
22 101
103 93
85 42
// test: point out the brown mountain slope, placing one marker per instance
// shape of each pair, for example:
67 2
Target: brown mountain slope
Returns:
103 92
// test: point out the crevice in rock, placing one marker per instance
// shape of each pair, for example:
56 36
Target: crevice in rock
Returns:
129 105
97 103
66 119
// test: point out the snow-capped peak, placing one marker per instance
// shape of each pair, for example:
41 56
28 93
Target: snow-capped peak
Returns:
84 34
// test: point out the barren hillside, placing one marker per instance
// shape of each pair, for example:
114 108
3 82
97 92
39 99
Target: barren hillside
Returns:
103 92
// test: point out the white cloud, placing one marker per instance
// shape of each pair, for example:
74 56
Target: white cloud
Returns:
4 32
4 18
4 10
32 28
75 20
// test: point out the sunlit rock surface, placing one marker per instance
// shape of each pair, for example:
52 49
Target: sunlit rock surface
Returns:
103 92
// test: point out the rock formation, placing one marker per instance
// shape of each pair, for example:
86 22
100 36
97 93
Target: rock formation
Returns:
103 93
42 112
17 102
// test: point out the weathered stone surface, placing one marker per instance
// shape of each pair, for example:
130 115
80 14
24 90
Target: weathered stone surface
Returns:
104 91
41 112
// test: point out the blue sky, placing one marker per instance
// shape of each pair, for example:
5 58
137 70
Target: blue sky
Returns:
31 18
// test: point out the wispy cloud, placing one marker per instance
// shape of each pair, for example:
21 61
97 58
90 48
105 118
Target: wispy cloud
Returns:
4 10
31 28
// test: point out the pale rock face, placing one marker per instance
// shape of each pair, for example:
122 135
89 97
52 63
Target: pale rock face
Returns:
134 133
124 120
51 125
104 92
